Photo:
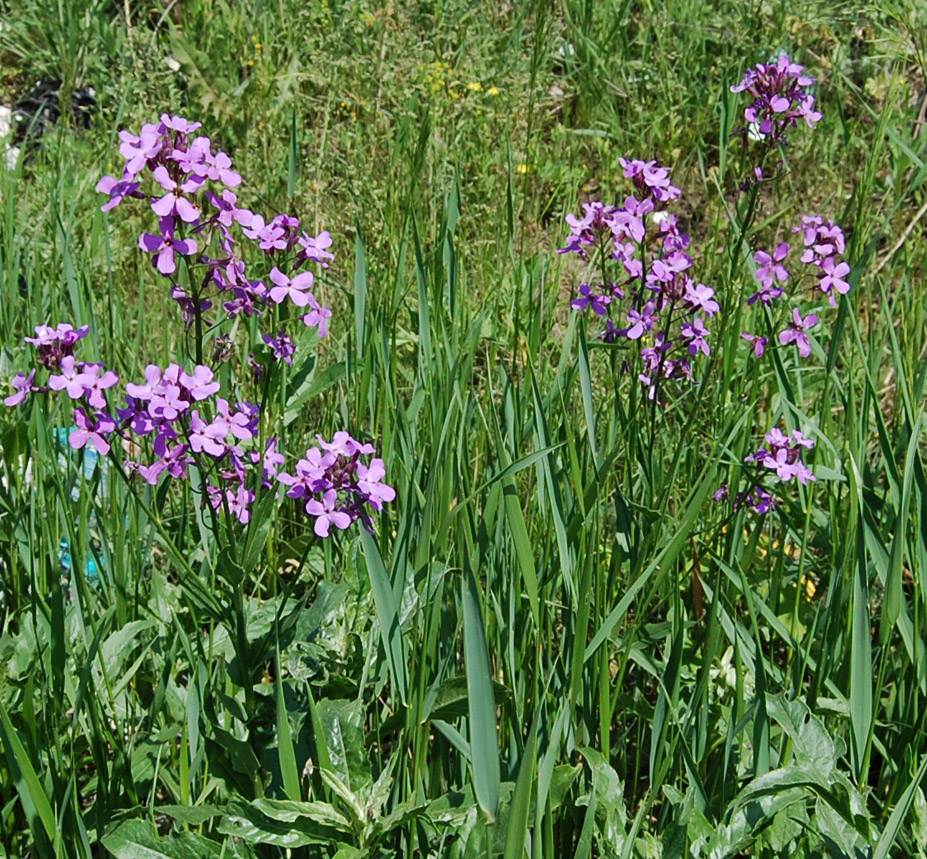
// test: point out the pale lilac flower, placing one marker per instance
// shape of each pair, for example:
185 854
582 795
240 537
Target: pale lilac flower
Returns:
208 437
317 317
23 385
72 380
201 384
295 288
174 202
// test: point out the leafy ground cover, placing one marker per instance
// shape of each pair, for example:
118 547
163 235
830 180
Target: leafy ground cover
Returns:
623 553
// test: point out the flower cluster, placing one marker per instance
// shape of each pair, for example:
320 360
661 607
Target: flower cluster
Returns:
182 421
336 485
648 297
780 459
823 245
190 190
781 97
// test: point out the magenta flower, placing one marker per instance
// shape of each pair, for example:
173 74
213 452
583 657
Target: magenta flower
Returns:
696 332
164 246
757 343
795 333
770 266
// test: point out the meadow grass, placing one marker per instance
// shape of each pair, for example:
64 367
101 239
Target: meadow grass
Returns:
555 643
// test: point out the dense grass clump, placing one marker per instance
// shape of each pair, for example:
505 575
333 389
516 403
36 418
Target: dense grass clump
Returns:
439 429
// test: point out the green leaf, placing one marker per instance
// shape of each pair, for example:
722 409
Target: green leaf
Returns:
387 616
31 793
484 749
517 832
138 839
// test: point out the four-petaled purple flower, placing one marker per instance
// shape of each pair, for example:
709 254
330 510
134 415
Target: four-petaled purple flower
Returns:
795 333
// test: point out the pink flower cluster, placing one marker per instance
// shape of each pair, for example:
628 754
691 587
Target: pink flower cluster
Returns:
199 218
781 97
664 309
181 420
823 245
781 459
336 485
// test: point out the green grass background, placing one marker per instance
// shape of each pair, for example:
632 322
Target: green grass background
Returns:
557 645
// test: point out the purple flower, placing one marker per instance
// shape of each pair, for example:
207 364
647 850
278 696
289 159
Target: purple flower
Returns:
781 98
179 124
369 483
91 431
315 249
700 297
139 150
317 317
343 444
598 303
832 278
227 206
770 266
167 403
758 344
281 346
174 202
641 321
98 380
23 386
201 384
208 437
795 333
696 332
72 379
117 191
294 288
165 246
327 514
